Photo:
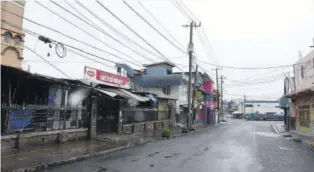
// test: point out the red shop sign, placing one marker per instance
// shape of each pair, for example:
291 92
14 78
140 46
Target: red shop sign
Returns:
107 78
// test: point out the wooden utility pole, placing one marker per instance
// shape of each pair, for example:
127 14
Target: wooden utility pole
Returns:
217 94
194 92
221 92
190 51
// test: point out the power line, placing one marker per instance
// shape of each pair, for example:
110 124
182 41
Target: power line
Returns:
115 30
245 68
181 10
189 12
81 14
54 41
84 56
154 48
238 95
159 23
54 30
102 31
162 35
88 34
47 61
264 82
40 61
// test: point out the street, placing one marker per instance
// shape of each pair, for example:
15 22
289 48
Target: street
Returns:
237 146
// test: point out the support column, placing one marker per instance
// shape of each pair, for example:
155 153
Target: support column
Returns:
93 118
120 119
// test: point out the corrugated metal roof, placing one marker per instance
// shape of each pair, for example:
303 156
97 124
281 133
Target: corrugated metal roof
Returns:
122 93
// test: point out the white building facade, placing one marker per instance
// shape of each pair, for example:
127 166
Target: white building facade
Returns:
260 107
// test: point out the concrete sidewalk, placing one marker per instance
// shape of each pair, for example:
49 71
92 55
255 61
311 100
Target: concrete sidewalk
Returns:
47 156
39 158
304 138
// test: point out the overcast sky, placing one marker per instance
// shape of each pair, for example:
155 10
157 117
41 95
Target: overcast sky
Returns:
242 33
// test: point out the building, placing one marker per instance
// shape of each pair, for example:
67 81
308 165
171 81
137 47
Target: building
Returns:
302 95
260 107
12 39
159 78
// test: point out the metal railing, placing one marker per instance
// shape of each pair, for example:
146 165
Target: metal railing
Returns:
37 118
138 115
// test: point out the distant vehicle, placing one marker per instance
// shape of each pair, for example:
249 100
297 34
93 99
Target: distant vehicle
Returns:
274 117
237 115
228 116
256 117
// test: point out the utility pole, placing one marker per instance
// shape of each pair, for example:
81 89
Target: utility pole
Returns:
190 51
222 101
194 92
217 92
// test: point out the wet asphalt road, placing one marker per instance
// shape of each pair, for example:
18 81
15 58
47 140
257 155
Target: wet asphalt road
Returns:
237 146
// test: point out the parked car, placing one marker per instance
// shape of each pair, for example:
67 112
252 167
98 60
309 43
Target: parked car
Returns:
256 117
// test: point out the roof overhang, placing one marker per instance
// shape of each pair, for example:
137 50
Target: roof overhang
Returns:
122 93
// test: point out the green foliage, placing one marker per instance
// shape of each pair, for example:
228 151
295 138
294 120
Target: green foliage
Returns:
184 130
166 133
193 128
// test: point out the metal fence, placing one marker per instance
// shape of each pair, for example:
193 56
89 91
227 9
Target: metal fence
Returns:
36 118
136 115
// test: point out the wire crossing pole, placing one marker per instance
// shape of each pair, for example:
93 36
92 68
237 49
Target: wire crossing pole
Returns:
190 51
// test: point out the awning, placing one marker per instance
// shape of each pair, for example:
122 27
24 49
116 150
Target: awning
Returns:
134 96
122 93
111 94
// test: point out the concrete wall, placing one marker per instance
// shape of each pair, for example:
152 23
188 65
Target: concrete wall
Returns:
146 126
41 138
12 52
158 70
304 65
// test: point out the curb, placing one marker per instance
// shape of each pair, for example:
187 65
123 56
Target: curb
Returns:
78 158
308 144
92 155
275 129
304 142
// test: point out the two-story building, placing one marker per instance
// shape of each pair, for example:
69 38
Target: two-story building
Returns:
260 107
12 39
302 99
159 78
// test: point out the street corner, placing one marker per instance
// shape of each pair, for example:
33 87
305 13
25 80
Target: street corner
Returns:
275 129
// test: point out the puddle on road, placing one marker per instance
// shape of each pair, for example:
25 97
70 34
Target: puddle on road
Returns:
284 148
153 154
267 134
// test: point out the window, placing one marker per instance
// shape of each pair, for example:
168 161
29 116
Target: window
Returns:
249 105
168 71
166 90
304 116
17 40
7 37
